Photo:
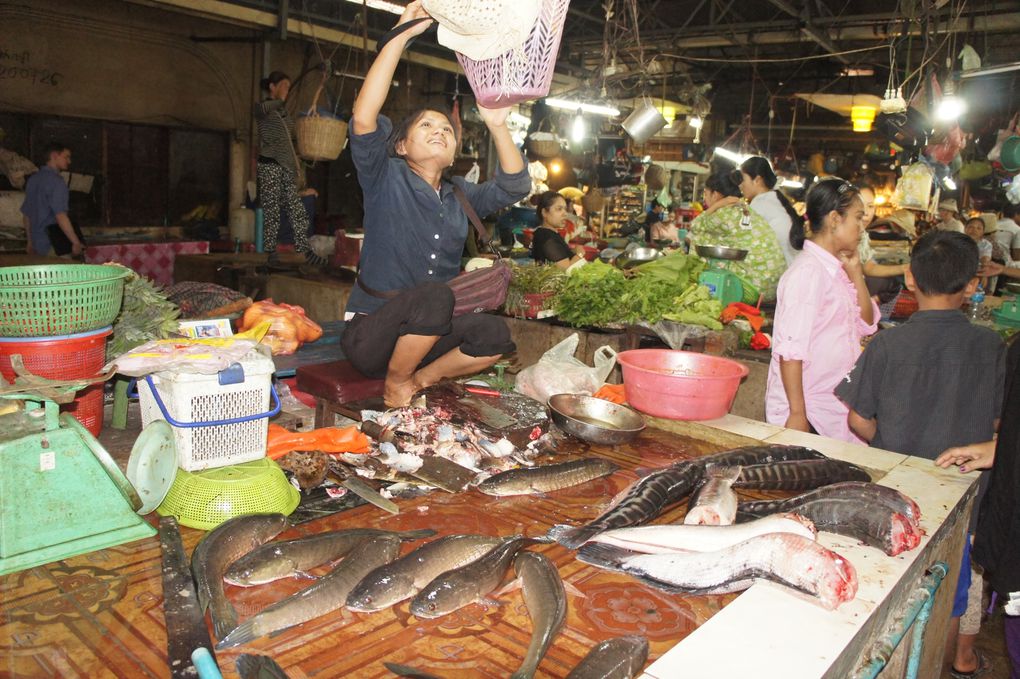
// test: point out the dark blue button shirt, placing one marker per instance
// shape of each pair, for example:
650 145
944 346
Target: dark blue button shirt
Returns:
412 234
46 196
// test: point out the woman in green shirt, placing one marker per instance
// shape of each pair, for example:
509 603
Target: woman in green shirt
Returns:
727 221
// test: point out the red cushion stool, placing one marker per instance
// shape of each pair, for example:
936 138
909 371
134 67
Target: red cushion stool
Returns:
334 384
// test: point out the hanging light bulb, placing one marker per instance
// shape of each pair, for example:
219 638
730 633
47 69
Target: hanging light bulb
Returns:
697 122
579 129
951 107
862 117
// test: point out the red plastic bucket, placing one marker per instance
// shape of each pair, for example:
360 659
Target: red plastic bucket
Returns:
680 385
64 357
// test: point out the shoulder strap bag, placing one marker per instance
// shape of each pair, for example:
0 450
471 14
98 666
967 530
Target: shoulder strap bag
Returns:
475 291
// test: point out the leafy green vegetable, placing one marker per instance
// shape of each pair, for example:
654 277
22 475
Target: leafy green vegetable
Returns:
532 279
591 295
145 315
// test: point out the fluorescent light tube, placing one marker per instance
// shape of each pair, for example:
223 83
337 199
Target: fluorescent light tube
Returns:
608 111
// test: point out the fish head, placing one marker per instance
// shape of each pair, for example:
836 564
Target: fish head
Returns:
382 591
438 600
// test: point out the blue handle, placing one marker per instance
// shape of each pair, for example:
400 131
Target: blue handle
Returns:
210 423
205 664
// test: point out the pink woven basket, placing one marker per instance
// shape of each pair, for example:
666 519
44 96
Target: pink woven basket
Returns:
523 74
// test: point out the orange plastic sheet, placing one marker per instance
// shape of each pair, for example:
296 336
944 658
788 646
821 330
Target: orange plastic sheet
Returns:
326 440
611 392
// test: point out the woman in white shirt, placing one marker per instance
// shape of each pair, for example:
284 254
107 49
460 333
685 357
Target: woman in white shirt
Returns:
757 183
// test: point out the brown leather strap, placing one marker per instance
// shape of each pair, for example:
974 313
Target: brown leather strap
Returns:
472 216
381 294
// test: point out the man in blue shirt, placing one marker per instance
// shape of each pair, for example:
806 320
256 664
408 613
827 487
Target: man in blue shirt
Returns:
46 203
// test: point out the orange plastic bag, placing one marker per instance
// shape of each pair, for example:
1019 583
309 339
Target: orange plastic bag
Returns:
289 327
326 440
611 392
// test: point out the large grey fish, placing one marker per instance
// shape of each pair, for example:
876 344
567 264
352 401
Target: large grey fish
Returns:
403 578
457 588
619 658
221 547
546 601
798 474
869 492
650 496
673 537
327 594
251 666
547 478
714 503
275 560
786 558
878 518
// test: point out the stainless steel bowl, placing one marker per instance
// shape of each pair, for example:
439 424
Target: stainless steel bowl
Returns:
609 254
636 257
720 252
594 419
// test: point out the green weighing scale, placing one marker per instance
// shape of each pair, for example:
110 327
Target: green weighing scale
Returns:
725 285
1007 315
61 494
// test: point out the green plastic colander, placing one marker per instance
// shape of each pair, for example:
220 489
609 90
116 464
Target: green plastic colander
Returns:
207 498
59 299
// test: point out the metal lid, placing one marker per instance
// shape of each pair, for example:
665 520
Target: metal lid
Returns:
153 464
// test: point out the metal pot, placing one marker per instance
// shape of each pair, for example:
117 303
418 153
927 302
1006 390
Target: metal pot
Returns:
720 252
631 258
643 122
595 419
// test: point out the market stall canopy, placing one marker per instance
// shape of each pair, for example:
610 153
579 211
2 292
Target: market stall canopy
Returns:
841 103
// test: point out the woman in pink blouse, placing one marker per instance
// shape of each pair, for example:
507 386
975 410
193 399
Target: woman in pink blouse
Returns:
823 311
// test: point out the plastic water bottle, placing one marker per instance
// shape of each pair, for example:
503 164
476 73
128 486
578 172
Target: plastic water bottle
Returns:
976 300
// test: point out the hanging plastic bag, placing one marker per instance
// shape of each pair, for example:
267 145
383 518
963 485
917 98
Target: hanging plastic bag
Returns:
948 148
996 153
913 189
558 372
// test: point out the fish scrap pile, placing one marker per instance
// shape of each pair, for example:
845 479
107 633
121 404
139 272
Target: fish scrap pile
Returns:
439 577
407 435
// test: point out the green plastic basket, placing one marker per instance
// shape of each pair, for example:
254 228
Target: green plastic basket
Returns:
59 299
207 498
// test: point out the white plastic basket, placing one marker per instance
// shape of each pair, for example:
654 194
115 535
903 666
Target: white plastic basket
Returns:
218 420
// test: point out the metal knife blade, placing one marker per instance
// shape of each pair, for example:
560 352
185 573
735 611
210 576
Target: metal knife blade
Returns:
186 629
369 494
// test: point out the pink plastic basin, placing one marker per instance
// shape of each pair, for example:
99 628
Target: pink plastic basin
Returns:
680 385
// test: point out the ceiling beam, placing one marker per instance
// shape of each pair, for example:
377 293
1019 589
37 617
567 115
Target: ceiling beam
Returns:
229 12
810 31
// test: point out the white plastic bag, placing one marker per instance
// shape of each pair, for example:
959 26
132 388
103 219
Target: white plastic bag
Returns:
558 372
913 189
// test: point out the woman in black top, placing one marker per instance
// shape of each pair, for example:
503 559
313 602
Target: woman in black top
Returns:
277 169
547 245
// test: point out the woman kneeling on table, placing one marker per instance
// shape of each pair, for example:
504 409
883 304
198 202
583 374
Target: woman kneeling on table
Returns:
400 322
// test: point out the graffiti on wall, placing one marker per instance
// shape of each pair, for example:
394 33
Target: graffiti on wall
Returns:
17 65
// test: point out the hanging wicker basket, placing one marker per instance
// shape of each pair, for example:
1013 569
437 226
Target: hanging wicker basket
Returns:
320 137
593 201
655 178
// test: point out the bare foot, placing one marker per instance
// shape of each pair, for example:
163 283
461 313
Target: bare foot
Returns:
399 394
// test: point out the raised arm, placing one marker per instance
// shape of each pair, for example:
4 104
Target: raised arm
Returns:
377 83
510 159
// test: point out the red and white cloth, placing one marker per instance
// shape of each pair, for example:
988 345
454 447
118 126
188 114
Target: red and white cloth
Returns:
153 260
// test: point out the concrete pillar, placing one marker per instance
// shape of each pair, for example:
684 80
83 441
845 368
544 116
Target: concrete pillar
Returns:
238 172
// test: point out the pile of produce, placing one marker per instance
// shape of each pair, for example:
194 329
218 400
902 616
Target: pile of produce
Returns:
289 327
536 279
145 315
667 288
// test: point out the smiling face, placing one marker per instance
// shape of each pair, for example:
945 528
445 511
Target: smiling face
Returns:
429 138
554 215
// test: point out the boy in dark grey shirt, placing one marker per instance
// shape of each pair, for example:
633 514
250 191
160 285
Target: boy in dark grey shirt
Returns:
934 382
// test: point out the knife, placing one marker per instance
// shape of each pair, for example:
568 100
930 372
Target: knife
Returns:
186 630
364 491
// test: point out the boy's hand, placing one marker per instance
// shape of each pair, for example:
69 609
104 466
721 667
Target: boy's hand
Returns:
798 421
494 117
413 11
989 268
968 458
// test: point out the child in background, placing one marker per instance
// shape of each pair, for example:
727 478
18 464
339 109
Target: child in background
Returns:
933 383
822 313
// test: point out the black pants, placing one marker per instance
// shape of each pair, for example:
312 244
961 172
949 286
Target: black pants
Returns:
369 339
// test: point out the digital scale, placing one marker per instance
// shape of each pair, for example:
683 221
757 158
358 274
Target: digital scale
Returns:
725 285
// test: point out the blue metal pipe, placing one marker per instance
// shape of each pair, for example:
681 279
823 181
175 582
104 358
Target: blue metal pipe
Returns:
918 609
